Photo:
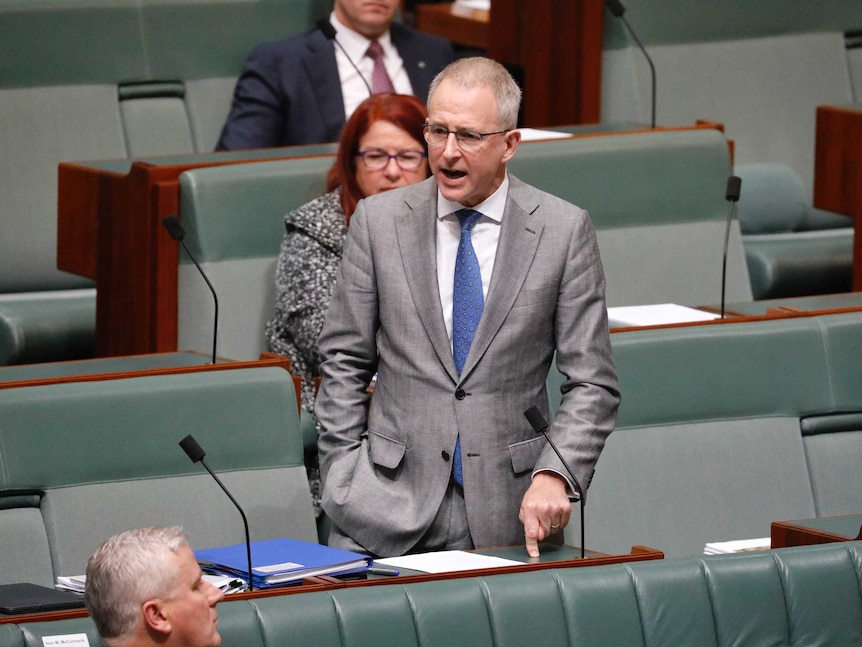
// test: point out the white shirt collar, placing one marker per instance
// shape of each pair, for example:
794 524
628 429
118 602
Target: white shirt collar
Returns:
492 207
354 43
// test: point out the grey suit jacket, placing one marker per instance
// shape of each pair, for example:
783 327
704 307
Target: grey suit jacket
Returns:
385 475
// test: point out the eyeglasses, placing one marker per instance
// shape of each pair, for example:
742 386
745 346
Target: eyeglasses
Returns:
376 159
468 140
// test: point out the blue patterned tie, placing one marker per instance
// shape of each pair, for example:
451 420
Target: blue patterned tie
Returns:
467 304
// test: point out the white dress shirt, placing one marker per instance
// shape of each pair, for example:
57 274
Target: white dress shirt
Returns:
485 235
353 89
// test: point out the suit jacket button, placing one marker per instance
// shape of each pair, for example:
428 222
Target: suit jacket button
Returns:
445 455
460 394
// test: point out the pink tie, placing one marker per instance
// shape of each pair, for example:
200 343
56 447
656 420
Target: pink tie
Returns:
380 81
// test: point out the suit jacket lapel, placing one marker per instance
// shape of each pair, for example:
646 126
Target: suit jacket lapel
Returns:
322 71
416 230
519 238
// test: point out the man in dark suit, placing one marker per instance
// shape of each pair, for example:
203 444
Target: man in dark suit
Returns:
459 292
300 90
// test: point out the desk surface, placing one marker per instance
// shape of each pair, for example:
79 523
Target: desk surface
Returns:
131 366
823 530
818 303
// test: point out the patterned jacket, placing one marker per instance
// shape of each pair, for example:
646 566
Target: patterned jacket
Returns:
304 281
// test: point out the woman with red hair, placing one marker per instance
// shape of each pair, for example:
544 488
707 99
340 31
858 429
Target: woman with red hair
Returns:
381 148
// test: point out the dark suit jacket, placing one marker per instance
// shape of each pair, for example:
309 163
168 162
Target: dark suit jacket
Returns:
385 475
289 92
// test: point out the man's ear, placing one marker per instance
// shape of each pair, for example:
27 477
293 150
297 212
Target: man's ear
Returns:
512 139
155 618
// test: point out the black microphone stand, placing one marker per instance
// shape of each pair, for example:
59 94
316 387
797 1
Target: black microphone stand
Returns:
618 10
731 194
196 453
176 231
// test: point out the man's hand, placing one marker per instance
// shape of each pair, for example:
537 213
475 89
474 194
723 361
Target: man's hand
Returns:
545 509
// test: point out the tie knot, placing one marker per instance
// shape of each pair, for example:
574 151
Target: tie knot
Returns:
375 51
467 218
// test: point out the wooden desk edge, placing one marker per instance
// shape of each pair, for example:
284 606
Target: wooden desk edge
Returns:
639 553
266 360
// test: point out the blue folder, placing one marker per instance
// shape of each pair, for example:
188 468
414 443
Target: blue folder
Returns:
277 562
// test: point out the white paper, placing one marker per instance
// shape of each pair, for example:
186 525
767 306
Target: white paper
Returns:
737 546
533 134
77 583
656 315
473 4
74 583
446 561
66 640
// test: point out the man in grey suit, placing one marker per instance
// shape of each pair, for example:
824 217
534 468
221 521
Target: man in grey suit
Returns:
444 456
300 90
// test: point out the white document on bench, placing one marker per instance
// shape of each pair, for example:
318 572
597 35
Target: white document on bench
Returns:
656 315
446 561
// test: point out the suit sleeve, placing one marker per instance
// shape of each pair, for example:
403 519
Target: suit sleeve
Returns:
349 350
260 106
590 391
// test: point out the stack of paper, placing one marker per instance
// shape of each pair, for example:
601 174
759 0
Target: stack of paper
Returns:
226 583
447 561
737 546
281 561
73 583
655 315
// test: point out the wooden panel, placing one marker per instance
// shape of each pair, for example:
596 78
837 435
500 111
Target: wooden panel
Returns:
838 171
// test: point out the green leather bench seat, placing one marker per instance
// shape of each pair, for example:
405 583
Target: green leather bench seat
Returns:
791 596
83 80
44 326
711 441
106 456
784 257
660 233
760 69
234 221
657 202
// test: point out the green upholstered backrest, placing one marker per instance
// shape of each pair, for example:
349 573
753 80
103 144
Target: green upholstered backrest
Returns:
760 67
806 595
626 180
90 80
234 221
237 210
63 42
711 441
107 456
662 22
657 202
118 430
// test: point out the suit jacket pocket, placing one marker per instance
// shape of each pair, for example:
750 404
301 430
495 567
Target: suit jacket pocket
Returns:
385 452
525 454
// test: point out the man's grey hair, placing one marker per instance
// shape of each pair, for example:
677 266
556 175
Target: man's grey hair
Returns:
478 70
126 571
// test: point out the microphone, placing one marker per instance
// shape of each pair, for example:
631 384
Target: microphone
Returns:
618 9
196 453
176 231
329 31
731 194
540 426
